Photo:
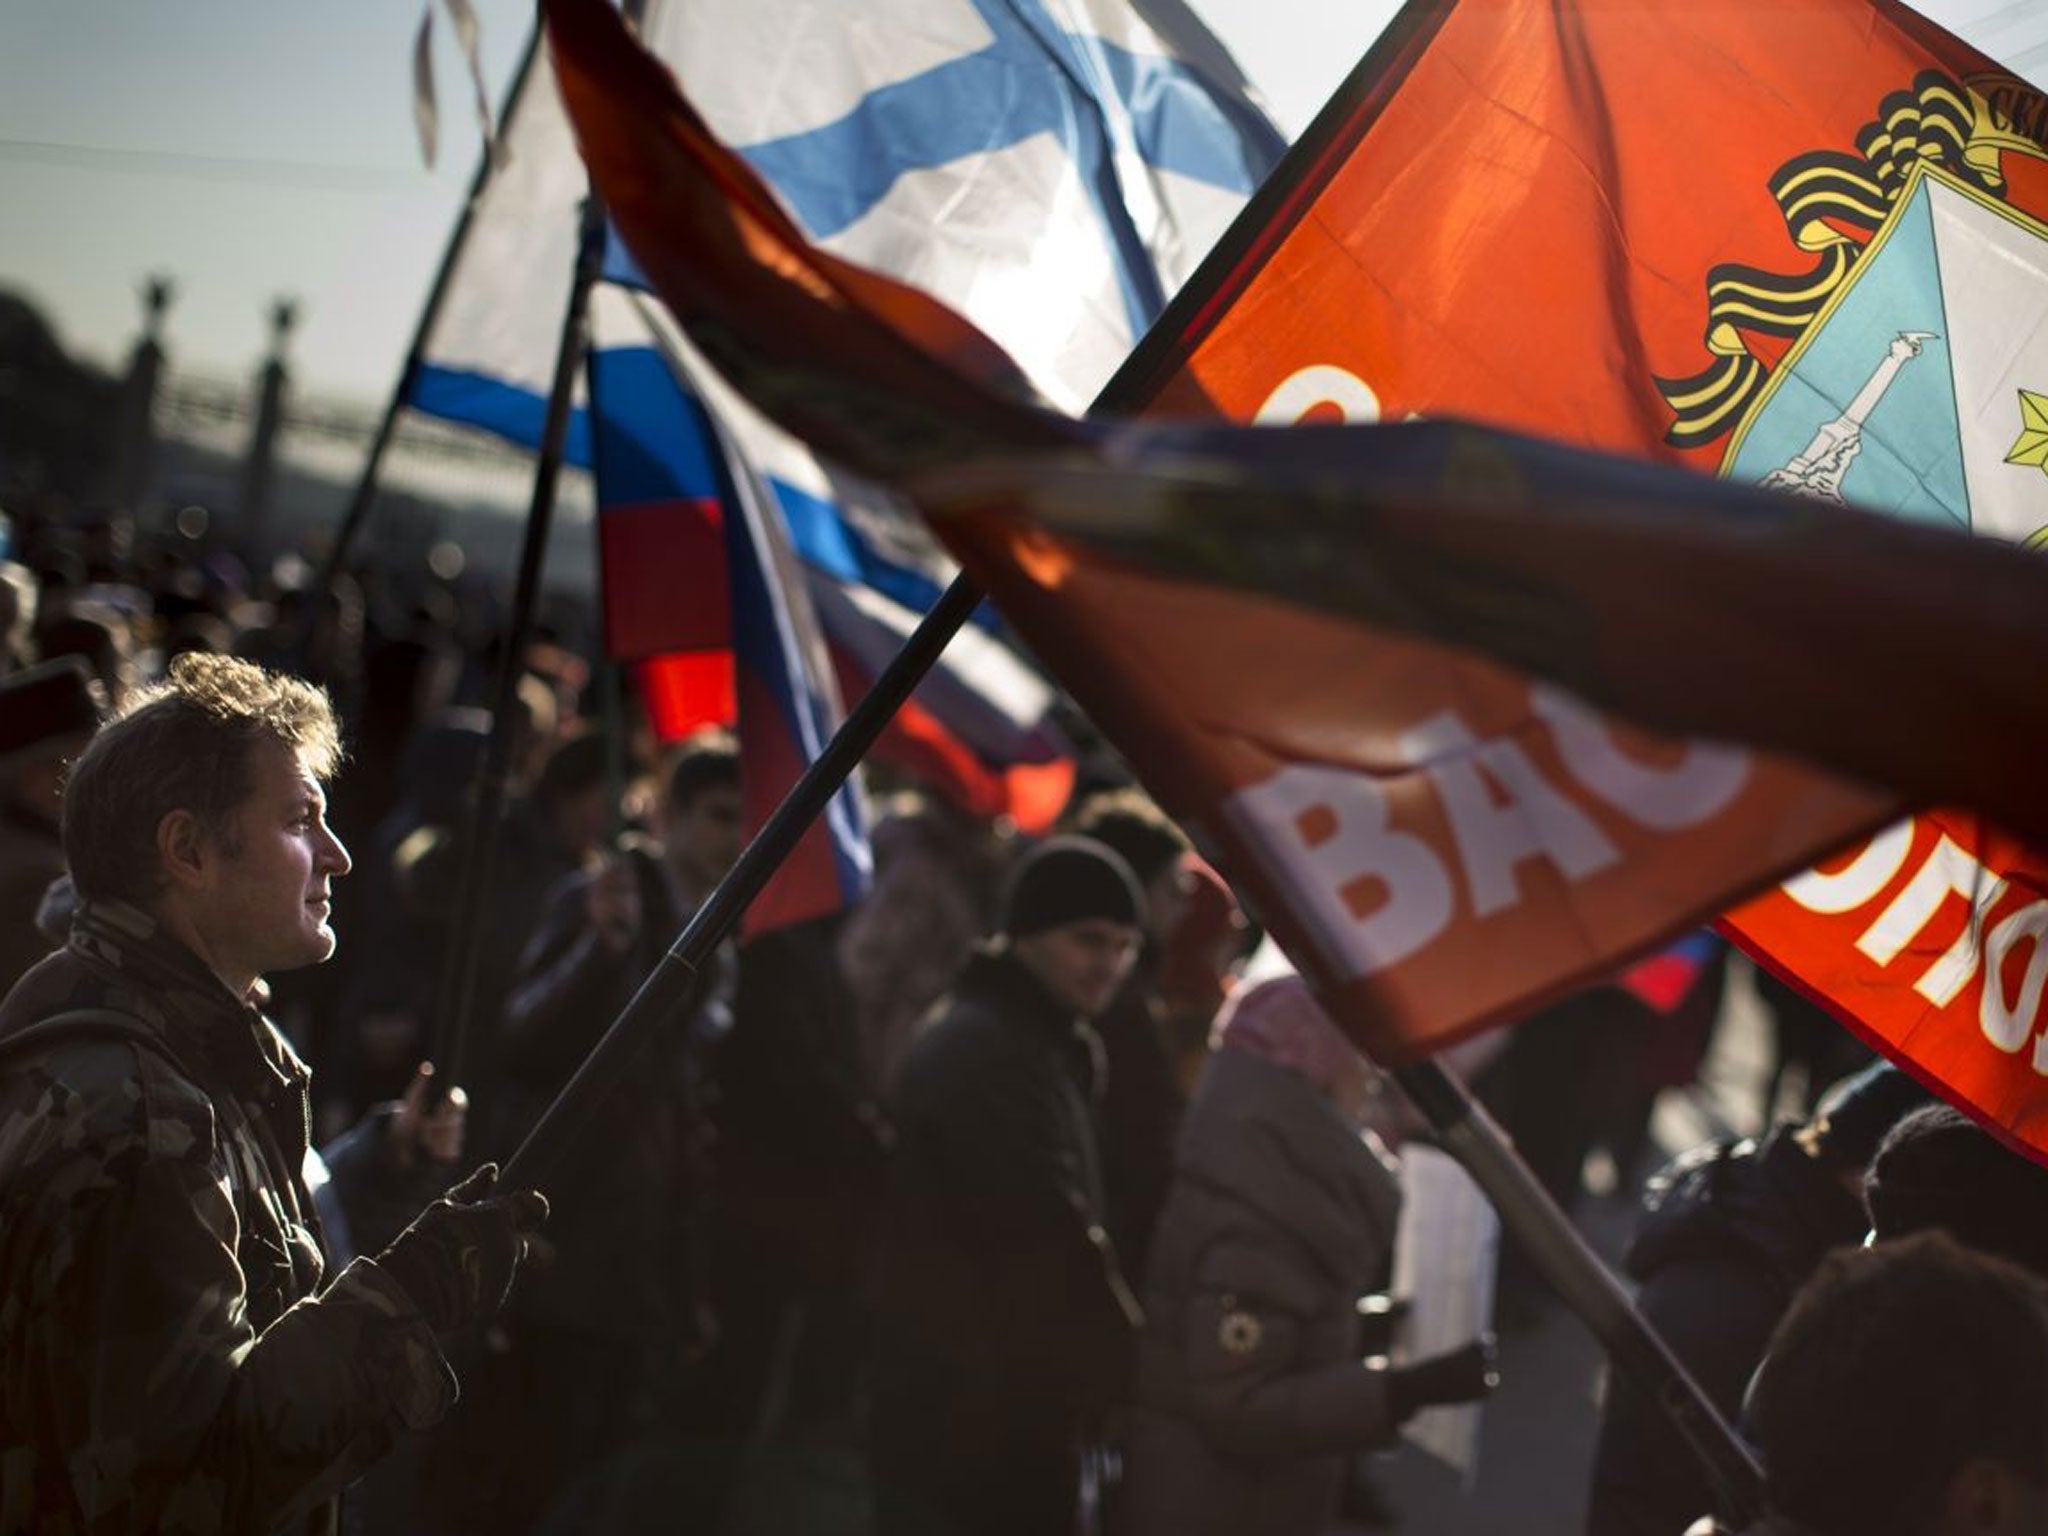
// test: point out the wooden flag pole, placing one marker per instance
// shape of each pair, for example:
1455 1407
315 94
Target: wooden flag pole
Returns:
478 854
1574 1271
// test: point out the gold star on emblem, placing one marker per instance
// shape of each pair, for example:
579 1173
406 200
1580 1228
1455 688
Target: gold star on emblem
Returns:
2032 448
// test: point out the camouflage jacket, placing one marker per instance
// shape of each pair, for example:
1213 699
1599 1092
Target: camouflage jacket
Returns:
173 1356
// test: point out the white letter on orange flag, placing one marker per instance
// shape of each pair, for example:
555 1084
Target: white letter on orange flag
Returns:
1868 873
1326 831
1948 871
1535 821
1306 388
2007 1024
1695 789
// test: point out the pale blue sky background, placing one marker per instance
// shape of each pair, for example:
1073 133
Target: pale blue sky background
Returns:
256 149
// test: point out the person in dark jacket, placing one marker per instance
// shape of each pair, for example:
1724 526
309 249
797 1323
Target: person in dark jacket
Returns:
174 1353
1728 1235
938 875
799 1150
1007 1324
1142 1102
1282 1215
371 1180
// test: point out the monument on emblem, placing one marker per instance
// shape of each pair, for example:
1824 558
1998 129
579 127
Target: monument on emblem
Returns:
1818 471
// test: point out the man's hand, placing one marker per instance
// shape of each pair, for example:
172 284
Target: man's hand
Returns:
612 903
456 1261
418 1132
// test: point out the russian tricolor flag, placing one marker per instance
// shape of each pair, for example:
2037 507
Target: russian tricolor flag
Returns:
1052 171
701 587
978 730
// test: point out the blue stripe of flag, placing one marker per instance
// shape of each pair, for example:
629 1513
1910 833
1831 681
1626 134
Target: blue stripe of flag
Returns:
1094 96
657 443
492 405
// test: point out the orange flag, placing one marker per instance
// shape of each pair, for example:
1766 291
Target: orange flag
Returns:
1800 244
1317 647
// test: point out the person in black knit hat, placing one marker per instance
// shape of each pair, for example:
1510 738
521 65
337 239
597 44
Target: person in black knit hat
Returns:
1007 1325
1142 1110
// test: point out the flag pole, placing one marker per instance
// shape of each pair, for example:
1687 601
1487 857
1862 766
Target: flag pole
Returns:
1462 1125
610 686
1585 1284
479 840
365 493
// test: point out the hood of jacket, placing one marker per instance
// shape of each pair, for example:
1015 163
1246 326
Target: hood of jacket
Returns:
1259 1136
1770 1199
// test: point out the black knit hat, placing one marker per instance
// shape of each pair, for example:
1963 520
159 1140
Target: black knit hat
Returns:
1070 880
46 703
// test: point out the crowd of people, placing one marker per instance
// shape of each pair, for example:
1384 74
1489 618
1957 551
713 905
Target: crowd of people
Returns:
1000 1202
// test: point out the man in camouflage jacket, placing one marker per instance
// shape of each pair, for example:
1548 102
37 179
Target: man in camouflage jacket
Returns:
173 1354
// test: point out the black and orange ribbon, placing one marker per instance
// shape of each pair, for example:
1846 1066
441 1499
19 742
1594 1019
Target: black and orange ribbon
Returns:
1832 202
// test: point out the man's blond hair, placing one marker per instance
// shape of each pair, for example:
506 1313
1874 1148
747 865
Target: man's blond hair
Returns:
184 744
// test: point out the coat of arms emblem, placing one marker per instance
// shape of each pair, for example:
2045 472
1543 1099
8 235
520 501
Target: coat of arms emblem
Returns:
1911 364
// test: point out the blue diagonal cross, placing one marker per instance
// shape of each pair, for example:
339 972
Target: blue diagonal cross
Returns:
1034 77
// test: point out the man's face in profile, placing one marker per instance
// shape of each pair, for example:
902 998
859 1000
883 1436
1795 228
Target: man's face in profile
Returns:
272 876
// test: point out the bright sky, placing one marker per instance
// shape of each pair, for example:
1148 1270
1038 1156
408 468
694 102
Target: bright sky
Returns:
253 150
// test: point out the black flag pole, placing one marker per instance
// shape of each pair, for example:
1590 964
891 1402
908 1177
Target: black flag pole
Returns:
365 494
478 854
611 688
